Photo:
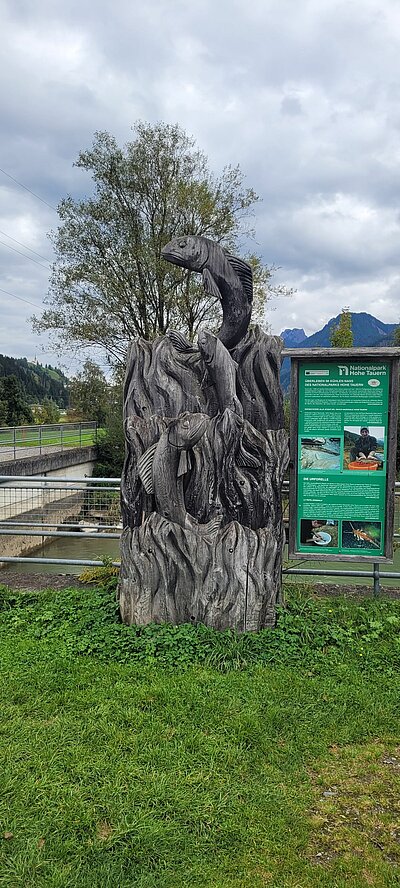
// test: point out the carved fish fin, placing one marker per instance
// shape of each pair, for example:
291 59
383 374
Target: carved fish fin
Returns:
185 463
211 528
180 343
209 284
246 459
145 468
244 273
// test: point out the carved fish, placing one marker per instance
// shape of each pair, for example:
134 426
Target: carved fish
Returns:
180 343
164 463
221 369
226 277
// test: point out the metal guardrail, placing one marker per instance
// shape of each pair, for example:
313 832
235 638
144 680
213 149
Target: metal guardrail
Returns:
18 441
58 507
49 508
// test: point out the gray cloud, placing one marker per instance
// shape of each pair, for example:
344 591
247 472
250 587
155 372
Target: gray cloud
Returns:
305 97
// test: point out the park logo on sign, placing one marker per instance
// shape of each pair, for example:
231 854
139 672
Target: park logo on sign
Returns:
373 383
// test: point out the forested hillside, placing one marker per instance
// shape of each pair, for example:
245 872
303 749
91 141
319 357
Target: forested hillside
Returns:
38 382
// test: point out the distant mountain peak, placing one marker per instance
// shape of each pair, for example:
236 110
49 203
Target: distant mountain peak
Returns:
368 332
293 337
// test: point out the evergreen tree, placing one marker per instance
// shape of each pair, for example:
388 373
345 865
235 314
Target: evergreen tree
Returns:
14 406
342 334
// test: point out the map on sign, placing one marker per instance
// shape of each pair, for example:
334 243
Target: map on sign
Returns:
342 456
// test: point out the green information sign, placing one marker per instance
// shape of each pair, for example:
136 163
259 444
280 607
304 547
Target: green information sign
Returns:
341 456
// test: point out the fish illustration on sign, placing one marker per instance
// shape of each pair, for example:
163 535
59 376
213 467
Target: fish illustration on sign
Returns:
363 536
225 277
162 466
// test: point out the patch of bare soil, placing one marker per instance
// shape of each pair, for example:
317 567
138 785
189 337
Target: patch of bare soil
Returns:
356 812
36 581
354 591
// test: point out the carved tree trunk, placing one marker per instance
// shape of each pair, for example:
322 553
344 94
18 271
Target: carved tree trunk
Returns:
204 543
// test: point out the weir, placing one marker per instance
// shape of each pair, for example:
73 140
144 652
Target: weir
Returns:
30 502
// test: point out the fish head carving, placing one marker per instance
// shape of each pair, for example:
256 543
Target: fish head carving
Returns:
207 344
189 251
186 430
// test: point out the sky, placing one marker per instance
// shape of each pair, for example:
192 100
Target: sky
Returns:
303 96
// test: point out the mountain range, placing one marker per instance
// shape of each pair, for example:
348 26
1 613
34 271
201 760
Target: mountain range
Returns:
367 331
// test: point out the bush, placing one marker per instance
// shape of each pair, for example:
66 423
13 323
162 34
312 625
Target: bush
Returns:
310 631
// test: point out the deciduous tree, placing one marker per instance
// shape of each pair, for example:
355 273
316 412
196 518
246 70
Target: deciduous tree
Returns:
48 412
89 395
109 284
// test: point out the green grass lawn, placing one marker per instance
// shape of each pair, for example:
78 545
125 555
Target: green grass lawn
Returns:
178 757
33 439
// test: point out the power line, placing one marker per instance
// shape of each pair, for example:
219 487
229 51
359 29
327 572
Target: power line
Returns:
31 259
28 189
35 305
25 246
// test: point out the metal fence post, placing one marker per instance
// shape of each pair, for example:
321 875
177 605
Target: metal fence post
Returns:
61 437
80 434
375 574
40 440
15 453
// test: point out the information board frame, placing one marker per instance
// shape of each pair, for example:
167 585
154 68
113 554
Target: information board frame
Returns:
339 357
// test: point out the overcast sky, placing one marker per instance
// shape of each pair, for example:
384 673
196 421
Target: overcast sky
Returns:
304 96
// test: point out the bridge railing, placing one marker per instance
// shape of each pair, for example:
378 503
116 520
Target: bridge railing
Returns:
36 510
30 440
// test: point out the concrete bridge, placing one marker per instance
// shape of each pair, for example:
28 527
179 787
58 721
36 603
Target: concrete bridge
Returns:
73 461
40 502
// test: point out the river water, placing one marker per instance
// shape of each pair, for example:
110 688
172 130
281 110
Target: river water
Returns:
66 547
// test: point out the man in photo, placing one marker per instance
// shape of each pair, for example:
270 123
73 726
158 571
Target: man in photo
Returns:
365 446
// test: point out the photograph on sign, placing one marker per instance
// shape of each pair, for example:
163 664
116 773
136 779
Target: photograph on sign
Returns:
364 448
320 453
319 532
361 535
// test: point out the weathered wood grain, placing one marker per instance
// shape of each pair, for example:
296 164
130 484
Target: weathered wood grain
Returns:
169 574
203 532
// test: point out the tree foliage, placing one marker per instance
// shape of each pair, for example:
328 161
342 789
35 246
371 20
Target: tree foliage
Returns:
47 413
14 407
89 394
111 442
37 381
342 334
109 284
